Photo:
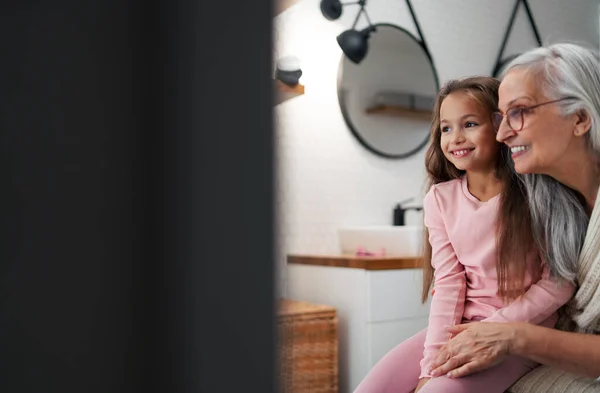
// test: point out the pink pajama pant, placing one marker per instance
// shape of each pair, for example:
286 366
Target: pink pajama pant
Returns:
399 371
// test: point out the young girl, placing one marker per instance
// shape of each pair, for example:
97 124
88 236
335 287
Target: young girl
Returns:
481 253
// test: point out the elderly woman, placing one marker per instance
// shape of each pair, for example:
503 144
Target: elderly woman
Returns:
550 118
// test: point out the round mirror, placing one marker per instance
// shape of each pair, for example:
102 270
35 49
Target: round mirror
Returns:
387 99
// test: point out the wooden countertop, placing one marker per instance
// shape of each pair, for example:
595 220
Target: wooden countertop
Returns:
354 262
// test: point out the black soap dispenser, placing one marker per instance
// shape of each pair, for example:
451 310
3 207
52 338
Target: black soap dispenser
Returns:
398 215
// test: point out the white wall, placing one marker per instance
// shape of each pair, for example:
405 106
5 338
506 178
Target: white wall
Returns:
325 178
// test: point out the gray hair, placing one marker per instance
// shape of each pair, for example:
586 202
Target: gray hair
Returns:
559 219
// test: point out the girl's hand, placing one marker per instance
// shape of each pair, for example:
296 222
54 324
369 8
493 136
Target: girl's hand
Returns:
422 383
476 346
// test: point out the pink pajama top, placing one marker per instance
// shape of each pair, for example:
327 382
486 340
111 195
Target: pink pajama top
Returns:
462 233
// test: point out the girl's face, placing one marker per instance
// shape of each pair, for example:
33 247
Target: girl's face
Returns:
468 137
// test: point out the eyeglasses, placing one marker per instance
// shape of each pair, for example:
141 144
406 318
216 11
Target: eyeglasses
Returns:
515 117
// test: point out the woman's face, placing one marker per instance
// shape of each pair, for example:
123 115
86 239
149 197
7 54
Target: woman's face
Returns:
547 136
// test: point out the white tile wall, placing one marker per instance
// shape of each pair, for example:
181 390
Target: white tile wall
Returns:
325 179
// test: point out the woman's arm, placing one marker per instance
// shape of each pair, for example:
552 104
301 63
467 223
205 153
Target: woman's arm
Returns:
542 300
480 345
576 353
447 305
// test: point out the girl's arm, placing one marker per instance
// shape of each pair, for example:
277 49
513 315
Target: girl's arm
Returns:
542 300
447 305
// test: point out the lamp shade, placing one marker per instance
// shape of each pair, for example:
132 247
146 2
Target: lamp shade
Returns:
355 44
331 9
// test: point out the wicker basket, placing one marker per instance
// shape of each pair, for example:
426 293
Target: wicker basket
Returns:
307 348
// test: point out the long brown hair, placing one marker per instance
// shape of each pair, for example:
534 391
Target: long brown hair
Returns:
514 238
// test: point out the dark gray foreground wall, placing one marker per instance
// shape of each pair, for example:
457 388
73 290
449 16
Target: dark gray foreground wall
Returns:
126 171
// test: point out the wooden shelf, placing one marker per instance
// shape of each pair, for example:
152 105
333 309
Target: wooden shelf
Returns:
350 261
396 111
284 92
282 5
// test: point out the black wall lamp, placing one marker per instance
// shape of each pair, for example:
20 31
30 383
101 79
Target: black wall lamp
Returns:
354 43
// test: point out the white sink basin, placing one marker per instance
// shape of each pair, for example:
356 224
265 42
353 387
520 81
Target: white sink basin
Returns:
405 241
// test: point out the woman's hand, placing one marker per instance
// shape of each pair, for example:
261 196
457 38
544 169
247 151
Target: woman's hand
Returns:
422 383
476 346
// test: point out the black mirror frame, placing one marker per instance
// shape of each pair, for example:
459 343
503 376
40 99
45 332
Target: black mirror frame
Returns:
342 94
